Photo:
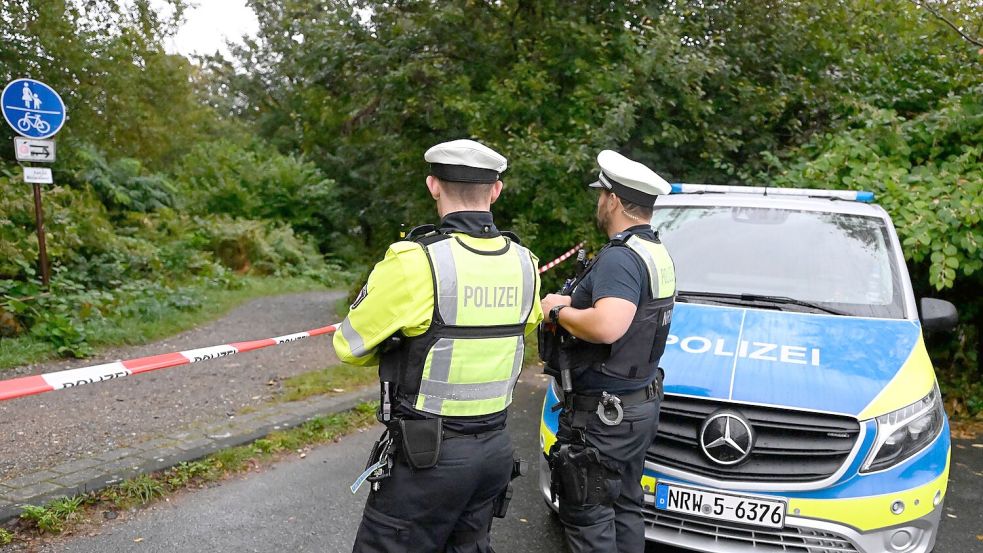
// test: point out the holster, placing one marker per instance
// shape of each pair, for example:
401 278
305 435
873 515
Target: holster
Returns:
580 477
421 441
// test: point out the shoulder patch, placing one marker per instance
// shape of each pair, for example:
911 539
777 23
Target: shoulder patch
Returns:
361 296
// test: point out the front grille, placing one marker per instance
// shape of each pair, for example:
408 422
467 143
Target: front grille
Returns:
736 538
790 446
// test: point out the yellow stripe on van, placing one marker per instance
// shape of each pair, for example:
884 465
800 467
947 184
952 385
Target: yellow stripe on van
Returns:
871 513
913 381
549 438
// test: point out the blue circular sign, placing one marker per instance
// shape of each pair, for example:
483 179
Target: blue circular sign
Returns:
32 108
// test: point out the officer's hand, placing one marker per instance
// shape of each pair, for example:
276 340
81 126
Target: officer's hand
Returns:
552 300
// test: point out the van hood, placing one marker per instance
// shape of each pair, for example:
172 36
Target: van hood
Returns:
798 360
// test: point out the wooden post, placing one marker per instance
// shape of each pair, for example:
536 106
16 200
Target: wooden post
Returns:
42 248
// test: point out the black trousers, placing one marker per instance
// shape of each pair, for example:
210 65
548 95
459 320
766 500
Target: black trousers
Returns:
447 508
618 527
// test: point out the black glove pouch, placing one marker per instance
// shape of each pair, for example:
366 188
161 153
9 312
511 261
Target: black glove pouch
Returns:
421 441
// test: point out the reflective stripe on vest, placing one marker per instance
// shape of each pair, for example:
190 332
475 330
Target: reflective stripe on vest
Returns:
662 274
475 375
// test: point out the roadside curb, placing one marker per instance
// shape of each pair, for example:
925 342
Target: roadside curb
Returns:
160 452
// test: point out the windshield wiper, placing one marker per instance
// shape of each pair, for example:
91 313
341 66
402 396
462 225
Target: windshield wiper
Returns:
778 300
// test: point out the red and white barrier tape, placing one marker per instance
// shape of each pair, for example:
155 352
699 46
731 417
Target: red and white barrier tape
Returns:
49 382
28 385
560 259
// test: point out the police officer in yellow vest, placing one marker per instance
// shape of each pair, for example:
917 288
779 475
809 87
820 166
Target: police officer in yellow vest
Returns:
604 341
444 314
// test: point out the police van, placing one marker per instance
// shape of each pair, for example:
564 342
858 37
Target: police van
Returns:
801 412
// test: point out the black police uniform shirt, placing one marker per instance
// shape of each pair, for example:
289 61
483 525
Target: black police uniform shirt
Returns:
479 224
617 273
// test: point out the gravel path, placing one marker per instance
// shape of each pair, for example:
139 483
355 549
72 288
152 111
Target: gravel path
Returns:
44 430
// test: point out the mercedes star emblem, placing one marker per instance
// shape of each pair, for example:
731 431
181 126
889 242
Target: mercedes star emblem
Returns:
726 438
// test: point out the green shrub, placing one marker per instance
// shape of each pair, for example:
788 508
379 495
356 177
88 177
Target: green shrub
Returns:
67 337
257 247
123 184
255 181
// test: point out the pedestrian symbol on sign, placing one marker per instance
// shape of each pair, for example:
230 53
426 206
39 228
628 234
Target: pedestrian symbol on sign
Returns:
28 96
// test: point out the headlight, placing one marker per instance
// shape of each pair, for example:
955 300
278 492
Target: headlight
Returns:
905 432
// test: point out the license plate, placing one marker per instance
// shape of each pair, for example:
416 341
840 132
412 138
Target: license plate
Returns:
755 511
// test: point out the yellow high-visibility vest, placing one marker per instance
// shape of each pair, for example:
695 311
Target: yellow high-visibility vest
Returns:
461 305
468 361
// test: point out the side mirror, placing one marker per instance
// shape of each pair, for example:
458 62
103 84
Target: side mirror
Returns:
937 315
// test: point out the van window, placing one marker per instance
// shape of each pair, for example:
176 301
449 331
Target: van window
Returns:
844 262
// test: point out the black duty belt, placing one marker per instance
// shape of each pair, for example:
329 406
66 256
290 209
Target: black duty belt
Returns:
479 434
579 402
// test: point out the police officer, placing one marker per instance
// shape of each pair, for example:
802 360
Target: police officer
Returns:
606 340
444 314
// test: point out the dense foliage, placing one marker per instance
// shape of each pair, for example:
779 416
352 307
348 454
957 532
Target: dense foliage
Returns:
149 210
325 115
879 95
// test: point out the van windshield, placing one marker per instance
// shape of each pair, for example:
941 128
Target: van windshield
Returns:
838 262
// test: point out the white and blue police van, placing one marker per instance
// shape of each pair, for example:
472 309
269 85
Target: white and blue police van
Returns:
802 413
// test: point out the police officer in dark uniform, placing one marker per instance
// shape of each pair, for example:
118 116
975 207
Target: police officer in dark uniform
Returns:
444 315
603 340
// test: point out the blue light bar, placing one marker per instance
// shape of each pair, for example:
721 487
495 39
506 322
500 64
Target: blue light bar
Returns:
849 195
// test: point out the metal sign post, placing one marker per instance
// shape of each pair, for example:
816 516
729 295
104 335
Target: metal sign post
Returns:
42 247
36 112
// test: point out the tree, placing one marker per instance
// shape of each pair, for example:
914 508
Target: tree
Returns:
124 94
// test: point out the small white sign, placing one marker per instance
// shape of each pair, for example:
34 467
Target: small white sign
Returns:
39 175
32 149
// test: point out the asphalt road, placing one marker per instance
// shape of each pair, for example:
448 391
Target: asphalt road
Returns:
305 505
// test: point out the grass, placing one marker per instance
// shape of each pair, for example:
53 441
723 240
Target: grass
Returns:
140 490
57 516
52 517
117 331
336 379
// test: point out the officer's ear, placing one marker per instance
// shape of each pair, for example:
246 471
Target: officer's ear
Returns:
615 202
496 190
433 185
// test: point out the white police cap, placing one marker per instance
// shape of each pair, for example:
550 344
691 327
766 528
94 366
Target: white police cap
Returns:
465 161
629 179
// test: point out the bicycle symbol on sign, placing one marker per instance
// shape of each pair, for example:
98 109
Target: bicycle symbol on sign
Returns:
33 120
